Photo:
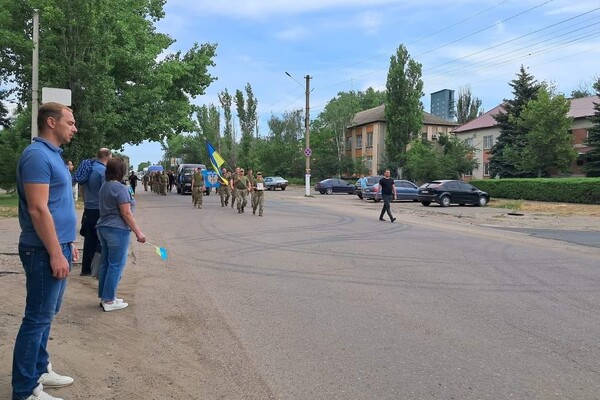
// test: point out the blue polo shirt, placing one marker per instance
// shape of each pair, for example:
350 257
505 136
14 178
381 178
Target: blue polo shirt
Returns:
41 162
91 189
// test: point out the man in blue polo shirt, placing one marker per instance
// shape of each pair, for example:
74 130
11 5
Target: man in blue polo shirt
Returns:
48 223
91 210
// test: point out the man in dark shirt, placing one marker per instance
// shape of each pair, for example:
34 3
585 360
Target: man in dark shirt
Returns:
388 192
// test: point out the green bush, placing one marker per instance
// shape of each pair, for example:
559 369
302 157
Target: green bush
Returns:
564 190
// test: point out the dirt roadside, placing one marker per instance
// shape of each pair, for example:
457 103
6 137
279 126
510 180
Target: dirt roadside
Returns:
190 342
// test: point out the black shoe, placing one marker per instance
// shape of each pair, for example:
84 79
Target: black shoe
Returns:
242 209
393 219
239 211
381 219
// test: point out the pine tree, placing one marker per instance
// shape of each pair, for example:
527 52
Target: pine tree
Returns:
512 136
592 163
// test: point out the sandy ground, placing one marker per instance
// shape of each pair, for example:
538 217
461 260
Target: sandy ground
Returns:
103 350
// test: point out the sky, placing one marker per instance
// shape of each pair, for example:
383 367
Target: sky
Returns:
346 45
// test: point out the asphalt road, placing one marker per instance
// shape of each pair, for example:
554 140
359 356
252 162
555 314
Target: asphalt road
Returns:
327 302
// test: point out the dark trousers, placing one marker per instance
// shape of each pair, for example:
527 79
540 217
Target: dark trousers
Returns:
91 243
387 199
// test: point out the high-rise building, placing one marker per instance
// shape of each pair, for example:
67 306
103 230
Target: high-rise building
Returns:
442 104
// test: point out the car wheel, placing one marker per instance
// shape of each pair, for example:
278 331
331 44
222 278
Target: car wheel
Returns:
322 191
426 203
462 204
482 201
329 191
376 200
283 188
445 201
360 196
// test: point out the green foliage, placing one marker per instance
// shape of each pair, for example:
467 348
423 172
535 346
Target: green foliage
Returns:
107 53
12 143
143 165
403 107
227 147
450 158
246 111
592 163
548 143
281 152
565 190
9 205
512 135
467 107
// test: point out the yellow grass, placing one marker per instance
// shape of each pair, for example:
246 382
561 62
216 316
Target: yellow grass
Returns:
547 207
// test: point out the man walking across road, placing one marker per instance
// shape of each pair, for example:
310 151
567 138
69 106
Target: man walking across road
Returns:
388 192
91 210
48 223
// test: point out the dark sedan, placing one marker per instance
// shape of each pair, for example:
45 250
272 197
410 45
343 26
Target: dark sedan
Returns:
405 190
446 192
334 185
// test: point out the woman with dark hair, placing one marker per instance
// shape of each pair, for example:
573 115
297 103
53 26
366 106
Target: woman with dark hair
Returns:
114 228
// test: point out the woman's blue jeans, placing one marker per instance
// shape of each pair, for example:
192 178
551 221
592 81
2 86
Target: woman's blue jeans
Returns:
115 243
44 298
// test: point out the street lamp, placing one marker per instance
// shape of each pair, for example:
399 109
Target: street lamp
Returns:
307 149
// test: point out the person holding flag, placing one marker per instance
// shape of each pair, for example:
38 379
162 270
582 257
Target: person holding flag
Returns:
224 190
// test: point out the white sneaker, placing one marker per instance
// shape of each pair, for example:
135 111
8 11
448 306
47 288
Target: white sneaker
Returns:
114 306
39 394
116 301
54 380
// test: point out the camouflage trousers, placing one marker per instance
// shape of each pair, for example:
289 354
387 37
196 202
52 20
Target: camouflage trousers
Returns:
197 196
241 198
224 192
258 200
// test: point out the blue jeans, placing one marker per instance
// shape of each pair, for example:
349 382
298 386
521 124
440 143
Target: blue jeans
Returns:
114 243
44 298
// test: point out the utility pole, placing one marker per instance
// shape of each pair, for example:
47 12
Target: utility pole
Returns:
34 74
307 150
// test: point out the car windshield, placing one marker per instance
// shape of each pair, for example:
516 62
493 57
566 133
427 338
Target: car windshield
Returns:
433 184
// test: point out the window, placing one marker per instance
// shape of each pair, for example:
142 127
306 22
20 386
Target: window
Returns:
469 141
348 142
369 140
469 173
369 163
359 141
486 169
488 142
424 136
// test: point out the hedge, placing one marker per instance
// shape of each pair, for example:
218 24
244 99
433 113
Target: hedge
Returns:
563 190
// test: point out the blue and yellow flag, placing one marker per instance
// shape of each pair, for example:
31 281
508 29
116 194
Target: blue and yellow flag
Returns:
216 160
161 251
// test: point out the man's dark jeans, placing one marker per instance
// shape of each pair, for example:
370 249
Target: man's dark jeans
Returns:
44 298
387 199
91 244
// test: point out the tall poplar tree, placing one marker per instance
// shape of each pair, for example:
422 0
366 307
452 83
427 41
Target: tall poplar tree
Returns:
467 107
512 135
403 107
592 162
246 111
227 147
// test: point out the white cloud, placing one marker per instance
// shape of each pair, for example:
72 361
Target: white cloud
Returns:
370 22
293 33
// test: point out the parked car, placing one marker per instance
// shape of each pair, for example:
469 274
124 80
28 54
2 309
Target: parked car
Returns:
334 185
275 182
371 180
183 179
405 190
446 192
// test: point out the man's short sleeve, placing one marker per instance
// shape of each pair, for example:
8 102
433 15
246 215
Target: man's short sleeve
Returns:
35 167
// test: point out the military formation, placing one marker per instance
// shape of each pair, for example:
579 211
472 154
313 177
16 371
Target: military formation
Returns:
235 187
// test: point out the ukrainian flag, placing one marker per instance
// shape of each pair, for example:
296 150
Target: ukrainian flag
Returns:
216 160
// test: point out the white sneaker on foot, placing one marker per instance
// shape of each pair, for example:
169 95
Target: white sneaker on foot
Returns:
39 394
54 380
114 306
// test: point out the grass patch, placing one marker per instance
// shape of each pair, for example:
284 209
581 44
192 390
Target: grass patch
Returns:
564 209
516 205
9 206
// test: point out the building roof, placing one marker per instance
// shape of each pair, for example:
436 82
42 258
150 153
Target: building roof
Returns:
377 114
580 108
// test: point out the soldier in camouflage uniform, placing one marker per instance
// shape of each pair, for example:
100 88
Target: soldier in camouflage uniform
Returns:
258 194
197 188
241 191
145 181
232 181
164 181
225 190
250 176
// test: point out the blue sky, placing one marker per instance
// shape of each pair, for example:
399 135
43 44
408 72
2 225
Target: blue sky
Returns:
346 45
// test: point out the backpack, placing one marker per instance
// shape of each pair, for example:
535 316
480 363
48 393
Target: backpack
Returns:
84 170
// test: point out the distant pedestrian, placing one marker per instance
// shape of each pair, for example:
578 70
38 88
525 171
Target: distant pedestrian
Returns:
258 196
362 182
388 192
48 224
133 179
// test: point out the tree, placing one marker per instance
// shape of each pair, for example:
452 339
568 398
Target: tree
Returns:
548 143
12 142
467 107
246 111
512 135
143 165
403 107
592 163
449 158
110 55
227 147
280 153
5 120
209 123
